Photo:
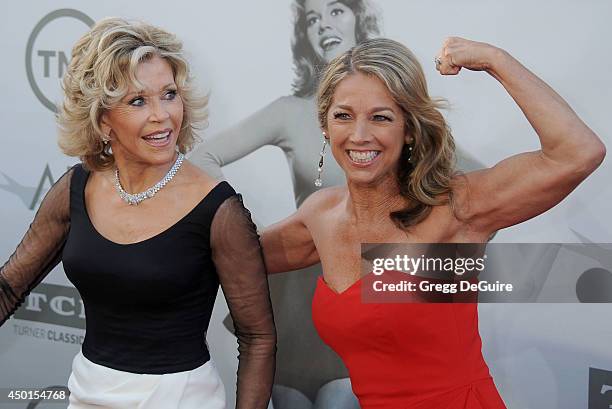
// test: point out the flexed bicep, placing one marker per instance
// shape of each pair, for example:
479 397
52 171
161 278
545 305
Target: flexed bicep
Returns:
525 185
516 189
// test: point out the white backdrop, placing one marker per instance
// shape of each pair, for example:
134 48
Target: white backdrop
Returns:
540 355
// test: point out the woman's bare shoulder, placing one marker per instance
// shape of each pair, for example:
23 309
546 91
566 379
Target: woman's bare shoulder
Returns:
323 200
291 105
194 178
292 100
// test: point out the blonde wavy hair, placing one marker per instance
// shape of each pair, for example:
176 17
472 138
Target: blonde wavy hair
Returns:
424 176
103 66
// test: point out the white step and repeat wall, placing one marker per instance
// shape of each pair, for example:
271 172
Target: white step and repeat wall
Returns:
541 355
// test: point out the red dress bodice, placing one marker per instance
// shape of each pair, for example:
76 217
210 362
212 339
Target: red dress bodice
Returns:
406 355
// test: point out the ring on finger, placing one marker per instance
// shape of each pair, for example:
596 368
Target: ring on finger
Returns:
437 61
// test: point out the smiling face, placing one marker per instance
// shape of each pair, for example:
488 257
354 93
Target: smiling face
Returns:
330 28
144 126
366 129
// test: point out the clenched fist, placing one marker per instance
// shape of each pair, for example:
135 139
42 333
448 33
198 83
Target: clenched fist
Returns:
457 53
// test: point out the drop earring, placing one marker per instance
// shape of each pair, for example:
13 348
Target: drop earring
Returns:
107 147
407 150
318 181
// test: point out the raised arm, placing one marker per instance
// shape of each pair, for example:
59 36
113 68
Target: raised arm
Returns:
242 273
264 127
40 249
525 185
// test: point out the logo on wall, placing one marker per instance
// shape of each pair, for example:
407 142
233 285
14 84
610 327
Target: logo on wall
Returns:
48 52
600 389
30 196
54 304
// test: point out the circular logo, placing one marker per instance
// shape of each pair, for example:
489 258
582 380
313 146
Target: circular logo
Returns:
48 55
594 286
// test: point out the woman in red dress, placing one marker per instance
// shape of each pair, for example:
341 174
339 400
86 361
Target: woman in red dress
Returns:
397 153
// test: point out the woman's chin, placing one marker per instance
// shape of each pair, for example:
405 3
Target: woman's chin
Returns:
365 179
368 178
156 157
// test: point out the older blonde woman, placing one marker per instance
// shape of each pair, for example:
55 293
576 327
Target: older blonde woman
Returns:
145 236
397 154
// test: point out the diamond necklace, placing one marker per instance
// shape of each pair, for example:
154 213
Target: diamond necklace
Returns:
136 198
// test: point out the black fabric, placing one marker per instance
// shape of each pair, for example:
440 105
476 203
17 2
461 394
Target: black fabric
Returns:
148 304
238 257
40 248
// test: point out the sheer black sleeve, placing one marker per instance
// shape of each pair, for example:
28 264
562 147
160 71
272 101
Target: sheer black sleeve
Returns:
39 251
239 261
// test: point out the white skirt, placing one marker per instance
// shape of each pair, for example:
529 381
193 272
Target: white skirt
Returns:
94 386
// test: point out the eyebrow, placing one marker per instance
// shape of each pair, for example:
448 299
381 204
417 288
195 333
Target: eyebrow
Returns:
142 92
347 107
375 109
331 3
378 109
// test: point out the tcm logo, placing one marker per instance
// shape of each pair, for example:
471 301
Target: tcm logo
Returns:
54 304
48 52
600 389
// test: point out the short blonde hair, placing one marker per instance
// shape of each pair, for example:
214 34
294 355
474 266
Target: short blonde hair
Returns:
425 175
103 66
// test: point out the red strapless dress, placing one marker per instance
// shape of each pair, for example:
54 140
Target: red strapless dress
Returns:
406 355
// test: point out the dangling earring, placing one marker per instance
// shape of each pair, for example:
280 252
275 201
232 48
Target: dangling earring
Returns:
407 150
107 147
318 181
